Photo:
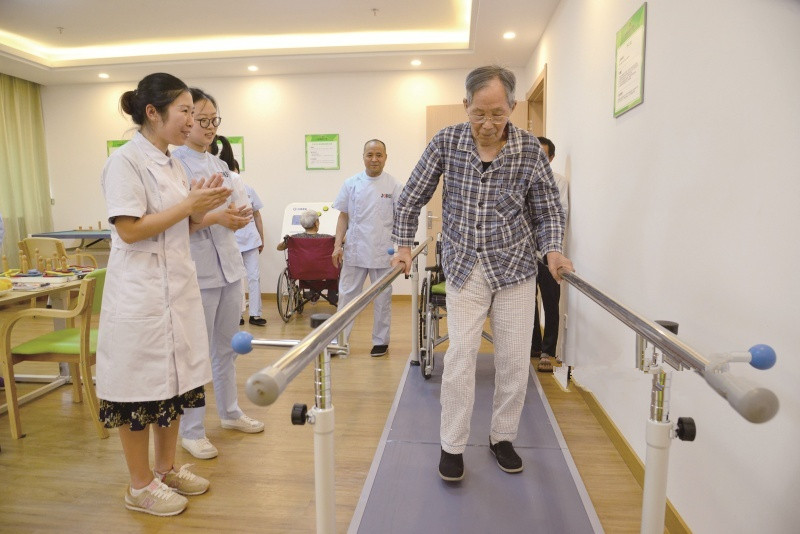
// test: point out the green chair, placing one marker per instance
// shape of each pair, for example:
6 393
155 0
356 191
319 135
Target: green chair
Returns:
73 345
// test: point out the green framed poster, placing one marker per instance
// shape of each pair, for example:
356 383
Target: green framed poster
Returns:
114 144
322 152
629 65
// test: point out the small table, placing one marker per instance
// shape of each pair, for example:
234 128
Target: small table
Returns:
84 235
59 298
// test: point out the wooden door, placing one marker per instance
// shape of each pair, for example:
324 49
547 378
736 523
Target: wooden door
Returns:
438 117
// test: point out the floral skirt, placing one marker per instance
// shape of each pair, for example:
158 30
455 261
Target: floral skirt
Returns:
140 414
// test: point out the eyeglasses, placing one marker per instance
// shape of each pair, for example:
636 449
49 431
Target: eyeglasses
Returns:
480 119
205 123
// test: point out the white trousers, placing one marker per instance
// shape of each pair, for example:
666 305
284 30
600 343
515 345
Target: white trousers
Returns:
253 284
351 283
512 322
221 309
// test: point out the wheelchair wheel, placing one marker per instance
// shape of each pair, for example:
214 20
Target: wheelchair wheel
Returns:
429 345
285 296
425 342
423 304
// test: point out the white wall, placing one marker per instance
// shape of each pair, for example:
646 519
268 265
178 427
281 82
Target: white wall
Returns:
273 114
685 208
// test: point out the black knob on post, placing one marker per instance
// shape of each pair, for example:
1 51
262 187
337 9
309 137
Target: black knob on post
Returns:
299 412
687 431
319 318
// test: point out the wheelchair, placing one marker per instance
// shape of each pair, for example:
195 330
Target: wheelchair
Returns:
309 275
432 309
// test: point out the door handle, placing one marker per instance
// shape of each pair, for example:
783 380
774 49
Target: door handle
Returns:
431 217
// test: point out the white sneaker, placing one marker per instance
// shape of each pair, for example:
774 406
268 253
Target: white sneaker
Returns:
244 424
184 481
200 448
156 499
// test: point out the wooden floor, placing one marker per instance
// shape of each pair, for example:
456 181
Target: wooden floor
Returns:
61 477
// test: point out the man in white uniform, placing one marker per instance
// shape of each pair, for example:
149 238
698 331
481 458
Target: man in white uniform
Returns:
251 242
366 205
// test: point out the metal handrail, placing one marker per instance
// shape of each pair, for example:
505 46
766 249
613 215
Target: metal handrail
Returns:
652 331
265 386
754 403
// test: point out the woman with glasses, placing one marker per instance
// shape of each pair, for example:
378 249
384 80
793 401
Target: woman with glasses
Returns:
219 272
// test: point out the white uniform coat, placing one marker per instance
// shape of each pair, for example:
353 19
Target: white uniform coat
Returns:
248 237
369 204
152 342
214 249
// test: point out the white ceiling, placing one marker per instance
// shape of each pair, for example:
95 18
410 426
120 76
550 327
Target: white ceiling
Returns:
71 41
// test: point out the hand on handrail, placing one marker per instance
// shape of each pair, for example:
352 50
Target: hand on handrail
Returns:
402 255
557 261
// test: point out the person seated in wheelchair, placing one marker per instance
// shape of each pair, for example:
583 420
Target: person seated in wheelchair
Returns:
309 220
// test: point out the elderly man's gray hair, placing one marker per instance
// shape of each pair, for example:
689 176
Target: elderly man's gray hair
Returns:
308 219
480 78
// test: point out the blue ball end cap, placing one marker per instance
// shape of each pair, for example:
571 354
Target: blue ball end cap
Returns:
763 356
390 251
242 342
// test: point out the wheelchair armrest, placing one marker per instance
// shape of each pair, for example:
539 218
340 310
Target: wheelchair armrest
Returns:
434 269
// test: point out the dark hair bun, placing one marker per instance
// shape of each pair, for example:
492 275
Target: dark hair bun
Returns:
159 90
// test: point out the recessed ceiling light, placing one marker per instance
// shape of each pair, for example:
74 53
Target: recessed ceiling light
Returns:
416 62
252 68
103 75
509 35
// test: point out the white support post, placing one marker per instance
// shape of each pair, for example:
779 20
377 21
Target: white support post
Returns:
658 436
321 417
654 498
324 488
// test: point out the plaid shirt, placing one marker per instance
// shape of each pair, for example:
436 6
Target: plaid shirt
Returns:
496 216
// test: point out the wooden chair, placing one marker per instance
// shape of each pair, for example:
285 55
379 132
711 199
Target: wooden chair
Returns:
73 345
50 248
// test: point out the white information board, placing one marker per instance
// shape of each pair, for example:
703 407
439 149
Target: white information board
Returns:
629 70
327 217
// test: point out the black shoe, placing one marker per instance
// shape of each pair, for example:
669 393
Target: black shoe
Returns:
258 321
379 350
507 458
241 321
451 467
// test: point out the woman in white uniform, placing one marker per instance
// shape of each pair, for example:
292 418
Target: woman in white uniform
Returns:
152 351
250 240
219 273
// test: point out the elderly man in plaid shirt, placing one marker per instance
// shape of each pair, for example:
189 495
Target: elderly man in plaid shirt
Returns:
499 204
